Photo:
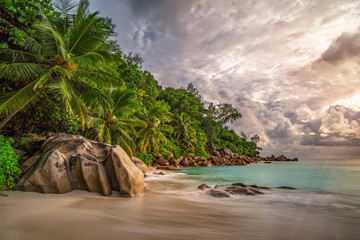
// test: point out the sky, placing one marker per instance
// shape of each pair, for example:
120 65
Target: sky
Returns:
291 67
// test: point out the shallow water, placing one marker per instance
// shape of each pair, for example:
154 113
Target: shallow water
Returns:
337 177
172 208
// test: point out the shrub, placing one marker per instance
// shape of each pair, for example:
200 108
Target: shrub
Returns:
145 157
203 153
9 170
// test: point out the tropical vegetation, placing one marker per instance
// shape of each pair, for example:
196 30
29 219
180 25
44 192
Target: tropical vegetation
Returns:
62 71
9 171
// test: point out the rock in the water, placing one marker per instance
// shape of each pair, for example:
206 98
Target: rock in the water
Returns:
140 165
218 193
71 162
240 184
203 186
256 191
281 158
236 190
285 187
249 192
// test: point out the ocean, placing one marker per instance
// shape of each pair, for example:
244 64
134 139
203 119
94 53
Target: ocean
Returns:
338 178
325 204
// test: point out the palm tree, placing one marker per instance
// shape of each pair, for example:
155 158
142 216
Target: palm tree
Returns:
255 138
66 58
185 132
115 125
154 130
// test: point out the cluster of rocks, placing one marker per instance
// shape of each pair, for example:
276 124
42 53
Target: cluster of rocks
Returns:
281 158
184 161
225 191
224 156
219 156
67 162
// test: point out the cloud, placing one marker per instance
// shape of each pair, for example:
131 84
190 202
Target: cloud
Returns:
340 126
345 47
286 65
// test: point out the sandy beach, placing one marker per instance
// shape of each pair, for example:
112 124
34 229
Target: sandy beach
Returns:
156 215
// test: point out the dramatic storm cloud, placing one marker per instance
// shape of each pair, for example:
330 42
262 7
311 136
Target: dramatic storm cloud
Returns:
290 67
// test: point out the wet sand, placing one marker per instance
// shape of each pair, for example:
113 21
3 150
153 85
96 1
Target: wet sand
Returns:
153 215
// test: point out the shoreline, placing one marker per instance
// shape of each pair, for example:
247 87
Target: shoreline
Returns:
180 214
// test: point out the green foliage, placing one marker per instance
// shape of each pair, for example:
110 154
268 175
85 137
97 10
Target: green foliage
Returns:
182 101
66 58
50 114
145 157
175 148
153 134
9 170
137 79
22 14
26 142
185 132
202 153
228 138
114 124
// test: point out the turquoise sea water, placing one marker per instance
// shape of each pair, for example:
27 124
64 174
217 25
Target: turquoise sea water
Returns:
324 206
337 177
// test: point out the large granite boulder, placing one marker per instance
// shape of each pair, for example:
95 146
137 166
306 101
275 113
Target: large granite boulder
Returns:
71 162
140 165
225 152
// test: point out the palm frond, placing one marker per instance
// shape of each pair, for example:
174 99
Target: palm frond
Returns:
98 57
134 122
16 55
74 103
96 123
30 44
124 140
52 40
91 95
14 101
22 71
82 37
100 76
124 102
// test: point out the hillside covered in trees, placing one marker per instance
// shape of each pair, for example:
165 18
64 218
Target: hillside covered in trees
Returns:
62 71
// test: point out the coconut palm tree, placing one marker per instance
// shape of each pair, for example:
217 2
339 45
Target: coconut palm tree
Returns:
67 58
185 132
155 128
114 124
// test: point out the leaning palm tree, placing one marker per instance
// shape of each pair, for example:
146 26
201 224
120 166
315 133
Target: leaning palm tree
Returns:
114 125
184 131
66 58
155 128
